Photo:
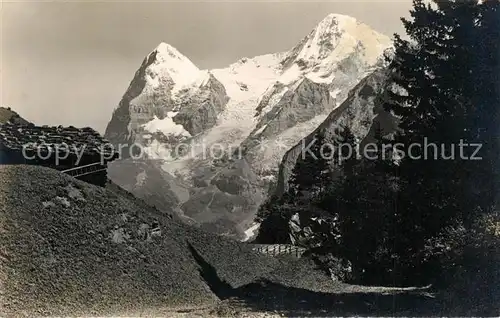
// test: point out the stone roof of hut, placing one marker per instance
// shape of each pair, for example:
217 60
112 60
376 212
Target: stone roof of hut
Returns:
16 136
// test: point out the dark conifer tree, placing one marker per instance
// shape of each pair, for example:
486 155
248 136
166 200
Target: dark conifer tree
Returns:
311 174
448 100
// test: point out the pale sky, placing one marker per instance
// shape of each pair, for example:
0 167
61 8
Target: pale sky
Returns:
70 62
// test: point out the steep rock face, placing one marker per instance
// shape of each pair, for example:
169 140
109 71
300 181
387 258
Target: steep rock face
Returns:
199 112
292 117
167 87
129 116
300 104
359 112
221 134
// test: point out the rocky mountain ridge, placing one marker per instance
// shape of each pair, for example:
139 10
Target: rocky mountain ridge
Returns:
220 135
362 112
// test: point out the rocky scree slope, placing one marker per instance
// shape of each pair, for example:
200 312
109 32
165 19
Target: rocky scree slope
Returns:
71 248
77 249
254 111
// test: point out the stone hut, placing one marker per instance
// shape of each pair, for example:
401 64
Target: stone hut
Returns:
60 148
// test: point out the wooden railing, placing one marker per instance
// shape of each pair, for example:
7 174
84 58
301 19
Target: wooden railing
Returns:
85 170
279 249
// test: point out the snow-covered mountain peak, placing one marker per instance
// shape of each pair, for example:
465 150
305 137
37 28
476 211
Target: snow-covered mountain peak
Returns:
335 39
171 69
262 105
167 53
334 20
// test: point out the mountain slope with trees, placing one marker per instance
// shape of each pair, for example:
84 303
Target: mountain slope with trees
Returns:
401 219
